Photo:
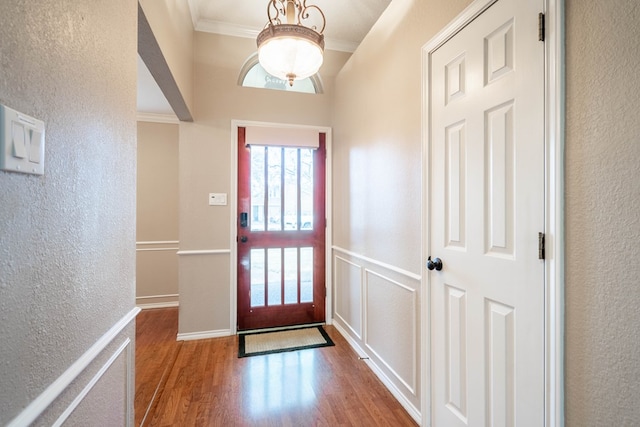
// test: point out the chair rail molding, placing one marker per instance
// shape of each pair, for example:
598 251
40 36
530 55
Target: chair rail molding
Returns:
55 389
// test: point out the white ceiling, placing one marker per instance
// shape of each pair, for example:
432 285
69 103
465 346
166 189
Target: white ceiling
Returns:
150 97
347 22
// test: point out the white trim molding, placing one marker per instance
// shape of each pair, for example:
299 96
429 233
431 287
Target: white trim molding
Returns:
378 263
190 336
206 252
337 313
157 118
156 249
414 334
158 242
194 12
161 304
55 389
152 305
158 296
235 30
126 345
164 245
554 224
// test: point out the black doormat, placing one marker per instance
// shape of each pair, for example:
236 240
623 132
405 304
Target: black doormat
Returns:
259 343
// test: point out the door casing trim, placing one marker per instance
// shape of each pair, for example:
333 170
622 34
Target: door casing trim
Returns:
233 204
554 104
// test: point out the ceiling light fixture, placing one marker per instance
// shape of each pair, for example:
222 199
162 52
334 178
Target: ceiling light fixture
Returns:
292 50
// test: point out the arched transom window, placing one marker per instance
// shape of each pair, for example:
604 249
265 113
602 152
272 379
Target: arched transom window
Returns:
253 75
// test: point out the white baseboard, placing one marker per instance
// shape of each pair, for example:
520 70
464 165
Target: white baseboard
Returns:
406 404
189 336
55 389
163 301
151 305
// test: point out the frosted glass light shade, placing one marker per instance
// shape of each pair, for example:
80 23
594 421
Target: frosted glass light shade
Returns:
290 52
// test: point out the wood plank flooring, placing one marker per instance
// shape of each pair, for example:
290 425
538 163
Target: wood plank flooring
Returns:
156 352
208 385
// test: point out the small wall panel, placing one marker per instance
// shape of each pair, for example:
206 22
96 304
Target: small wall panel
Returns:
348 293
391 328
90 405
500 364
499 180
456 384
455 185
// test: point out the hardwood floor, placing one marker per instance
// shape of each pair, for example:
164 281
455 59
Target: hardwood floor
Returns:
156 352
206 384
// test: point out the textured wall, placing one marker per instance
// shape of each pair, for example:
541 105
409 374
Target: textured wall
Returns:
67 259
603 213
157 213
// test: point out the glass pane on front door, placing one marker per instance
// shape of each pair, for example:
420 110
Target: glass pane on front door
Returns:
281 188
278 272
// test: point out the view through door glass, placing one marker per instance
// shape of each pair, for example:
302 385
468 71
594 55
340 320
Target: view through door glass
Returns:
281 234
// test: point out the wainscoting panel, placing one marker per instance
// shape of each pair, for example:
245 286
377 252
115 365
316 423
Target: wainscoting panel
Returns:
377 309
391 326
105 369
156 274
348 294
108 381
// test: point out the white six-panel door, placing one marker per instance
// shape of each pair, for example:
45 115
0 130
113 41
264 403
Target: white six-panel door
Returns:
486 210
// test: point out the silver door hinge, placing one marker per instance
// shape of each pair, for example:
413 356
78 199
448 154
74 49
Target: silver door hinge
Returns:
540 245
541 27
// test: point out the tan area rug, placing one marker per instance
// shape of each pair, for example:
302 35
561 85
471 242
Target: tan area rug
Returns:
279 341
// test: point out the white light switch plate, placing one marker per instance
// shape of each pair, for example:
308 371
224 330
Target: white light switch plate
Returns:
217 199
21 142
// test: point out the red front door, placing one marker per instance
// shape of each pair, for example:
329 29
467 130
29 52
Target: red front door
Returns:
281 235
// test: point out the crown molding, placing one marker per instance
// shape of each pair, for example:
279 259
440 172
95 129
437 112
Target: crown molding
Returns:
340 45
194 11
234 30
157 118
226 29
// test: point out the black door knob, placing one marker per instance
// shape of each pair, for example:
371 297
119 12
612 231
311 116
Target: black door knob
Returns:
243 239
434 264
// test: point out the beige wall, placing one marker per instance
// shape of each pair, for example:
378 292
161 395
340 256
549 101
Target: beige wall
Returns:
157 215
602 213
377 119
172 27
377 191
67 260
206 167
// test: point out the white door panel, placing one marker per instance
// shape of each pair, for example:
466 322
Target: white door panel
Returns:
487 207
